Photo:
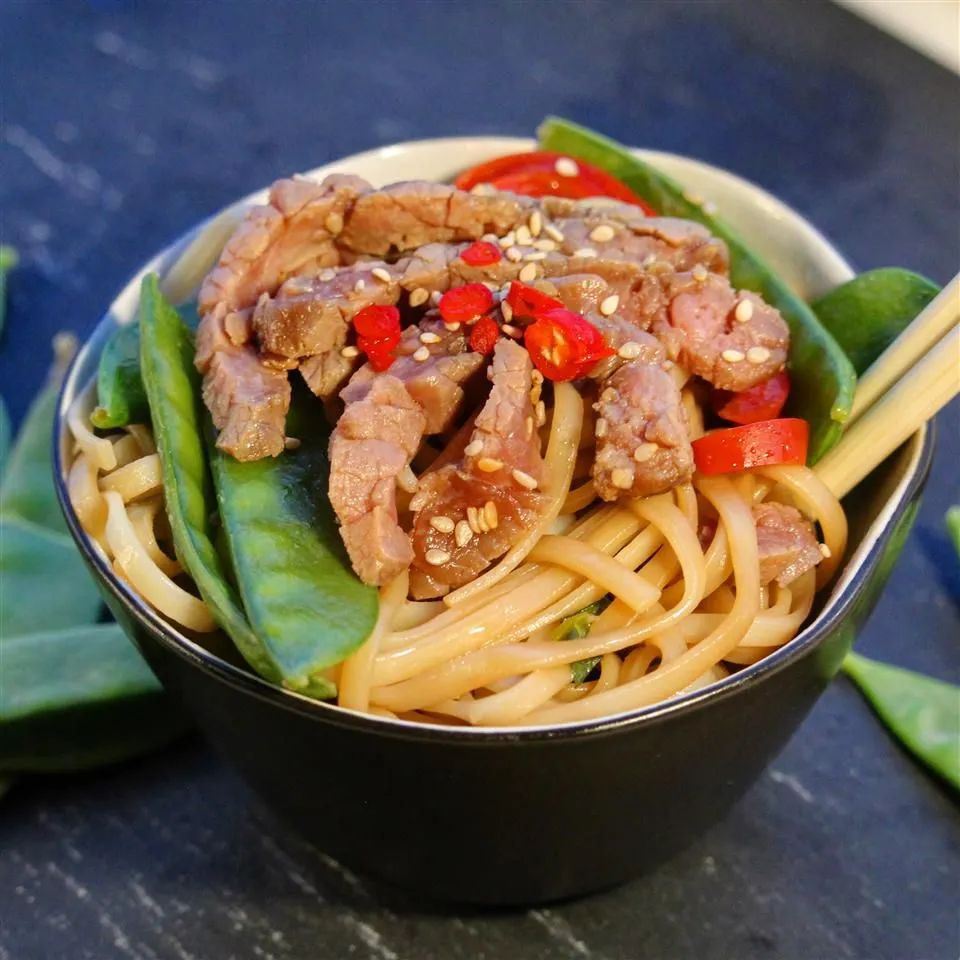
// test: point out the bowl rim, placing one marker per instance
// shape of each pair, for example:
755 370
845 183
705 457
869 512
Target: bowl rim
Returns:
847 589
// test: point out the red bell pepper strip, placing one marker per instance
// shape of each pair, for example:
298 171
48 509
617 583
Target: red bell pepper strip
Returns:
542 173
763 401
564 345
762 444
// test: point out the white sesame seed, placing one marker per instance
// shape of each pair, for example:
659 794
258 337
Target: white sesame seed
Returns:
472 520
644 452
524 479
758 355
541 413
510 330
442 524
506 310
547 245
482 524
608 305
513 255
699 272
327 275
622 478
602 234
553 233
473 448
536 223
528 273
826 552
428 336
359 285
490 513
585 252
462 533
629 350
407 480
452 327
709 208
489 464
490 238
600 428
419 296
508 240
291 443
349 351
536 377
744 311
667 365
528 427
333 223
381 274
535 256
418 502
732 356
566 167
421 354
436 297
437 558
523 236
609 395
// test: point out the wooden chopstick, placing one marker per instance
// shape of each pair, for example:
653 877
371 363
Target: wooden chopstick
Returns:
900 412
928 328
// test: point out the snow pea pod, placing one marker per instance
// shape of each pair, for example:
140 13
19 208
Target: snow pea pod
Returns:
822 378
921 712
866 314
121 398
173 390
302 598
78 698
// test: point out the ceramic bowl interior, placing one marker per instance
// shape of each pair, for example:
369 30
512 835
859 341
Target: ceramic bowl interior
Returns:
802 255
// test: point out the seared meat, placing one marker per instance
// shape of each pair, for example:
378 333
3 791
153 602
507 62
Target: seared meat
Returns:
786 541
371 447
471 512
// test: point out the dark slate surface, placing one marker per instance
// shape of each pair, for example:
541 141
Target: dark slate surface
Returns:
124 122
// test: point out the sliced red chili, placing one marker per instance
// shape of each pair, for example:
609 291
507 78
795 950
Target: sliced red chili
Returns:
763 401
484 335
762 444
563 345
481 254
466 303
529 302
378 333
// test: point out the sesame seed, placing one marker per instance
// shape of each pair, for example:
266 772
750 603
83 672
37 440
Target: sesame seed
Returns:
418 502
709 208
472 520
585 252
541 413
699 272
510 330
548 246
437 558
744 311
489 464
629 350
473 448
421 354
436 297
327 275
428 336
513 255
452 327
600 428
291 443
442 524
523 236
758 355
536 223
566 167
536 377
407 480
419 296
462 533
528 427
359 285
622 478
482 524
667 365
381 274
489 238
333 223
506 310
528 273
536 255
608 396
524 479
553 233
490 513
644 452
609 305
349 351
826 552
602 234
508 240
732 356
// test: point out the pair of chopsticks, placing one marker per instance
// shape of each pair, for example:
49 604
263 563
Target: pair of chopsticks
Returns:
917 375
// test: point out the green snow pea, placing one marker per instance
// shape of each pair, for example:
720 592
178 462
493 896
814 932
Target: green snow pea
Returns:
921 712
822 378
78 698
121 398
866 314
302 598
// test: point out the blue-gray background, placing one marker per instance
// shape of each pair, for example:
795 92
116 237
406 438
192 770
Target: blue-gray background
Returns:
125 122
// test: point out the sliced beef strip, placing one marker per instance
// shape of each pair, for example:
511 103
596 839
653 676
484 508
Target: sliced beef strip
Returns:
469 513
371 446
787 543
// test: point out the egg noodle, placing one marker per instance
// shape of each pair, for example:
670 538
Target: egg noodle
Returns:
490 653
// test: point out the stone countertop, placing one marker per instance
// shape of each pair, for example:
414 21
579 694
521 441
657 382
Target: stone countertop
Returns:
123 123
